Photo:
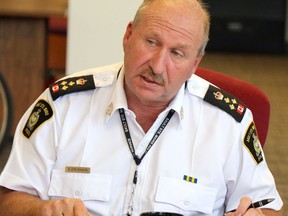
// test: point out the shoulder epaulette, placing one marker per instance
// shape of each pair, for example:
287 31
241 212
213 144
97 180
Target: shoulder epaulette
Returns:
226 102
71 85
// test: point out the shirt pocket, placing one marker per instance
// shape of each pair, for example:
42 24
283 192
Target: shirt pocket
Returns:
187 196
90 186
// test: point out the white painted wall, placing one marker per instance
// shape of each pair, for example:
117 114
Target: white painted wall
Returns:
95 31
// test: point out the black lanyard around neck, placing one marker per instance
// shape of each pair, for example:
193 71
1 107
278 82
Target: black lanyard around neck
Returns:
136 158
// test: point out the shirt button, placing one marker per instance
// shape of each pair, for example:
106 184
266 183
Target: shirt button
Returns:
186 202
78 193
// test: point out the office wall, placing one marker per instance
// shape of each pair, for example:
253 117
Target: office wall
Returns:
248 26
95 31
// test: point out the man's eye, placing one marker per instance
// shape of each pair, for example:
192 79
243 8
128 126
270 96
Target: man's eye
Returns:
177 54
151 42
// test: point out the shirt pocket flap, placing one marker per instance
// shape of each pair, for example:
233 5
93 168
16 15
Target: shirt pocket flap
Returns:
79 185
186 195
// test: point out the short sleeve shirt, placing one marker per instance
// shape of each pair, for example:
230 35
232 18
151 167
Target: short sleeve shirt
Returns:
74 146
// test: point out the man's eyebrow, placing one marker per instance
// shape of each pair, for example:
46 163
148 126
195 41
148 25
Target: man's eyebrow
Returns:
182 46
155 33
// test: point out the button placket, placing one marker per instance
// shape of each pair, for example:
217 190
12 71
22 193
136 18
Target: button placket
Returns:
78 192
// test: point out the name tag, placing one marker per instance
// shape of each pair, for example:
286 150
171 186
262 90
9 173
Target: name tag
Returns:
73 169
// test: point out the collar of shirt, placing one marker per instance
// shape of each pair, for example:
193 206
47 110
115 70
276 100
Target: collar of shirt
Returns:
118 99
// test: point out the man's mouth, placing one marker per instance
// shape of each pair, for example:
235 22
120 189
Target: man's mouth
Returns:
152 81
152 78
147 79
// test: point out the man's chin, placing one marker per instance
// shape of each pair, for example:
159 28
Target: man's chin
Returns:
153 100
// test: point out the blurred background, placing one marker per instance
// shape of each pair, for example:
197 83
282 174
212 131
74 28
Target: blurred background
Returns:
41 41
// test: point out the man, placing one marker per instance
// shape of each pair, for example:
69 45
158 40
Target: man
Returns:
139 137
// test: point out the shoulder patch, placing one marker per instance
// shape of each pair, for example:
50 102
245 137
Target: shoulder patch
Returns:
71 85
252 143
226 102
40 113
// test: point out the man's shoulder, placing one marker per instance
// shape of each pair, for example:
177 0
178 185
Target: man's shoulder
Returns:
217 97
85 80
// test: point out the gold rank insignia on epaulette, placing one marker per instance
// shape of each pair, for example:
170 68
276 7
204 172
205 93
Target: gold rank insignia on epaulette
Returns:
71 85
253 144
226 102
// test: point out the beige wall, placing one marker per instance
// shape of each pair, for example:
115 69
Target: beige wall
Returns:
95 31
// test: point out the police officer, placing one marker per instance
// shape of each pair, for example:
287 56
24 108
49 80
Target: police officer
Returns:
145 135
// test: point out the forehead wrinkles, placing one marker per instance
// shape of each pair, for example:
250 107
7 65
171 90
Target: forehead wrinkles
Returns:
189 30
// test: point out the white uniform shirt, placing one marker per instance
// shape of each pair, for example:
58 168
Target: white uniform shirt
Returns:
80 151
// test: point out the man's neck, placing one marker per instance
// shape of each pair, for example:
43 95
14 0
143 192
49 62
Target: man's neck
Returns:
146 114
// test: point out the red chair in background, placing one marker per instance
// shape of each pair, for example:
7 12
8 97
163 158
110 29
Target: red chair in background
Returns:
254 98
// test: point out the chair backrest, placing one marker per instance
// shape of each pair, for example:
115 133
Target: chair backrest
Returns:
254 98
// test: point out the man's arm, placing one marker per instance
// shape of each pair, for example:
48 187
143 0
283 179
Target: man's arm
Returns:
269 212
14 203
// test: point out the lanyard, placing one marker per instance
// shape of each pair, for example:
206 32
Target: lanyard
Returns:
136 158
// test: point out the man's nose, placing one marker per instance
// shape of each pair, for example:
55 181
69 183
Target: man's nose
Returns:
159 61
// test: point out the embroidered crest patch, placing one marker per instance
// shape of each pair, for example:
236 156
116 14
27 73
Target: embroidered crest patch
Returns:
70 85
40 113
226 102
253 144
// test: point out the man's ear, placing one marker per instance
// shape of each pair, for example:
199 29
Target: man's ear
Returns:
127 34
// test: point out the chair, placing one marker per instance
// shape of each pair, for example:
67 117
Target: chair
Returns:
254 98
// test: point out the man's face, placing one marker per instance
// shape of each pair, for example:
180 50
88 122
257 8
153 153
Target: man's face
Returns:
161 53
